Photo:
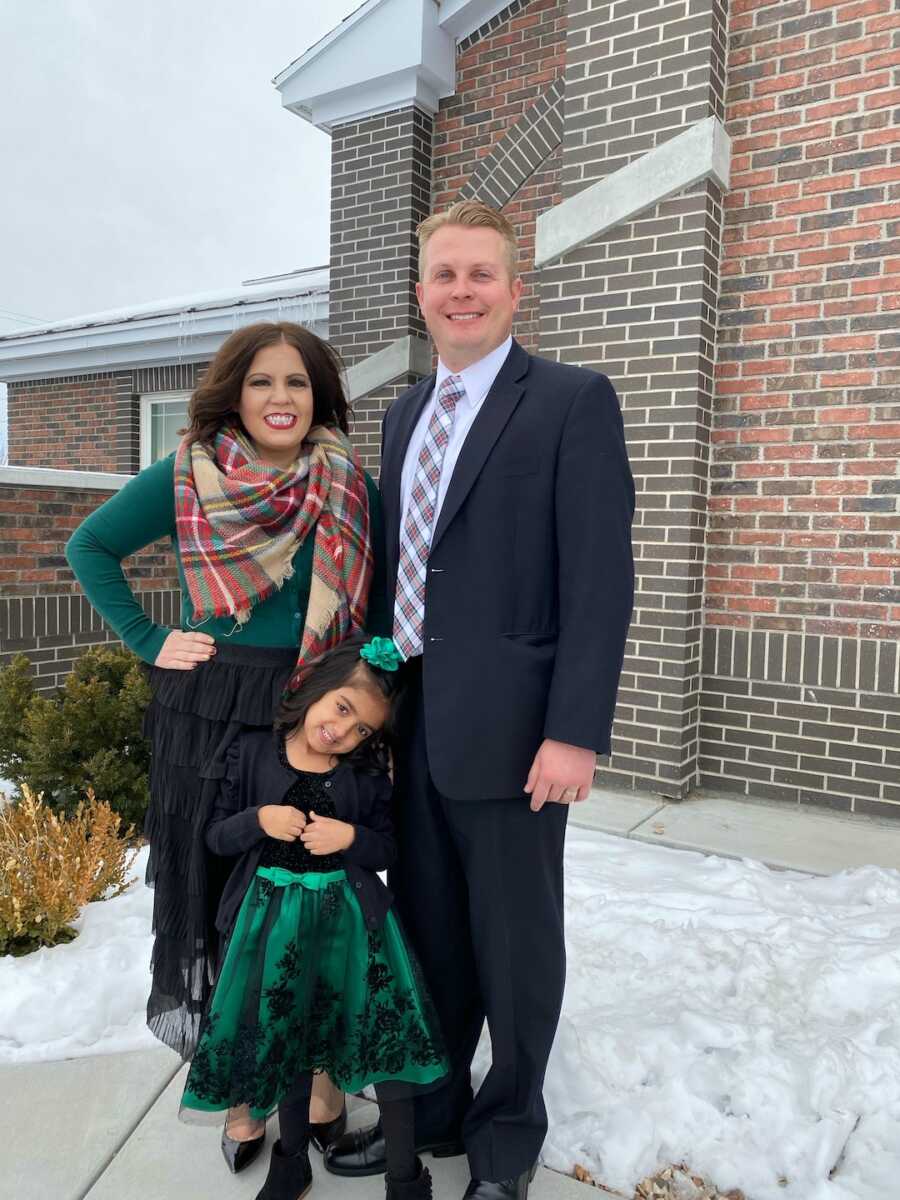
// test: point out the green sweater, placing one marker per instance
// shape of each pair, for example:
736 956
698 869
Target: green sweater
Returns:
143 512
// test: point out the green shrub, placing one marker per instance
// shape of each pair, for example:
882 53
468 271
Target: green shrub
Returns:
85 738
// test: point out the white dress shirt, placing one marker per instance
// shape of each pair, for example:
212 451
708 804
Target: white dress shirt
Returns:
478 379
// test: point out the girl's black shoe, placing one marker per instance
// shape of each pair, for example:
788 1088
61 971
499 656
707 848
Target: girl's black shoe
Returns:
289 1177
241 1154
322 1134
414 1189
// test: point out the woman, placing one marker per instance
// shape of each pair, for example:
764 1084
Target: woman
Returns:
278 541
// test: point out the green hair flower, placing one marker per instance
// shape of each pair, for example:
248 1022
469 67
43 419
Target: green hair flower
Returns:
382 653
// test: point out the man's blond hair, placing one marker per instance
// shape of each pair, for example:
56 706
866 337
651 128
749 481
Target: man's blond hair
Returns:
471 214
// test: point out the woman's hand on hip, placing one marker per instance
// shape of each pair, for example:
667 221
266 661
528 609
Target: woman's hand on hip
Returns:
281 821
184 651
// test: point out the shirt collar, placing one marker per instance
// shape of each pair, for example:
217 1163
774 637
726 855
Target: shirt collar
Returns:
478 379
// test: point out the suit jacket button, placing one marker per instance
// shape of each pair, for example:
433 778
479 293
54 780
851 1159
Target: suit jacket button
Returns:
357 885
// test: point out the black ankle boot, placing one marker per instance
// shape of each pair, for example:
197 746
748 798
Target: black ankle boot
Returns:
413 1189
289 1177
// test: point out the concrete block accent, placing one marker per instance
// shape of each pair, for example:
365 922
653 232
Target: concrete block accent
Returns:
406 356
48 477
701 152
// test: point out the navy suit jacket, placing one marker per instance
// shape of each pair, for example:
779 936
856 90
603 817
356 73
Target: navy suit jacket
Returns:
530 579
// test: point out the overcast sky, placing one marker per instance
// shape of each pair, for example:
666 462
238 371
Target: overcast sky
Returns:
145 153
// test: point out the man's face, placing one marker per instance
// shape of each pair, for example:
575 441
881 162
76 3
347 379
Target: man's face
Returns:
466 295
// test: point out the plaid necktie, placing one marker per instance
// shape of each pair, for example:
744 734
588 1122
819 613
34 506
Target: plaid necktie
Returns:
415 538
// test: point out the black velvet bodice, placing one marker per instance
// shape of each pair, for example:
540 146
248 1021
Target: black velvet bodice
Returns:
310 791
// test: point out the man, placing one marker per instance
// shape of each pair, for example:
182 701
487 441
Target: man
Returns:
508 504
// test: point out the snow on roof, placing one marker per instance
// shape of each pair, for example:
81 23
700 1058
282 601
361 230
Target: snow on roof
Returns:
310 282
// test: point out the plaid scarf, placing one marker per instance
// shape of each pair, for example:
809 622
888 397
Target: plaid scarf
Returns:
239 522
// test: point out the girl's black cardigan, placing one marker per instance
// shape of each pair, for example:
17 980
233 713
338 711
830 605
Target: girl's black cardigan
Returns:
254 776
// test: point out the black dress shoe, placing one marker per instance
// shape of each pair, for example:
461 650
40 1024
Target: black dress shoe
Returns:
289 1177
504 1189
323 1133
241 1154
361 1151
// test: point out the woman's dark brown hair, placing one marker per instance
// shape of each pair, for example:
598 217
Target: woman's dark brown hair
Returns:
217 398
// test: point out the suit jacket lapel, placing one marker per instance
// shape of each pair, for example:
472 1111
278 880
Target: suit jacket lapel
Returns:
498 406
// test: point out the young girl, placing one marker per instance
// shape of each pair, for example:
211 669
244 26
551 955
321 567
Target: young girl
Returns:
317 975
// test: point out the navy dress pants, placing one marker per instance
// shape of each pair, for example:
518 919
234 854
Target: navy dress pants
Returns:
479 889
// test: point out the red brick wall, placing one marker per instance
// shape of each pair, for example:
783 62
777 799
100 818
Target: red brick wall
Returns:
499 76
804 523
35 523
66 422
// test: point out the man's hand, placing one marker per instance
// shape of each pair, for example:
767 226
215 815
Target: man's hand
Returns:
325 835
281 821
560 773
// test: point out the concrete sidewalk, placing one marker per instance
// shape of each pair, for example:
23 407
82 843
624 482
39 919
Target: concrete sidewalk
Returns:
812 840
106 1128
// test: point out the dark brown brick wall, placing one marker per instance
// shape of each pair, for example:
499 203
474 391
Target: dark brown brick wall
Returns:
380 180
498 138
638 303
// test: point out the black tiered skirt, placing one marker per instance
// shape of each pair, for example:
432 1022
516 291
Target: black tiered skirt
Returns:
193 717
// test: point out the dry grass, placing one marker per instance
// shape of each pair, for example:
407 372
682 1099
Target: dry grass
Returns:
51 866
671 1183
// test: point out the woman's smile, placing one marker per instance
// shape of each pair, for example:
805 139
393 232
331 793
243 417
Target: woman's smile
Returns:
280 420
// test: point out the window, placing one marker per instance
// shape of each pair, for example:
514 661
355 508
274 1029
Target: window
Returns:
162 415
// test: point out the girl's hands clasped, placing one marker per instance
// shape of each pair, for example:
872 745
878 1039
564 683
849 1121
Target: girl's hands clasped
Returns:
326 835
184 651
281 821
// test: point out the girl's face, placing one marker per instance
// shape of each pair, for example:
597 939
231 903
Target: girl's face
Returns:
276 403
344 718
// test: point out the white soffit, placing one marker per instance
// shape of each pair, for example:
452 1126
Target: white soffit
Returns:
462 17
701 152
385 55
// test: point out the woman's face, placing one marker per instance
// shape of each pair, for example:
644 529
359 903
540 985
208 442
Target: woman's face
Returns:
276 403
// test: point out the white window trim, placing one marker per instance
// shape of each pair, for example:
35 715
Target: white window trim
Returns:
147 400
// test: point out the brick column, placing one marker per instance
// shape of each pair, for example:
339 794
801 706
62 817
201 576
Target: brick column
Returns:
638 303
381 186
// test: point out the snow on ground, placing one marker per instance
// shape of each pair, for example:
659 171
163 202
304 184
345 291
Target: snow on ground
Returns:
744 1020
87 996
738 1018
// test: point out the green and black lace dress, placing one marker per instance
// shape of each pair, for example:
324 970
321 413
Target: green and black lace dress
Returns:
306 986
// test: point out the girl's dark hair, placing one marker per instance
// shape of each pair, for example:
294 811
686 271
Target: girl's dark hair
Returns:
215 402
334 669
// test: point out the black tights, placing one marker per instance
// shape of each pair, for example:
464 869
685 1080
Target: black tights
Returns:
396 1120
